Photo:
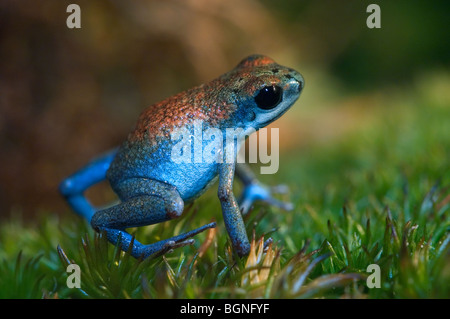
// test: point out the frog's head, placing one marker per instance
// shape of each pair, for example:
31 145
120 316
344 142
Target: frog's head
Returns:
263 90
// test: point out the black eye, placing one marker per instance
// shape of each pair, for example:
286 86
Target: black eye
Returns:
269 97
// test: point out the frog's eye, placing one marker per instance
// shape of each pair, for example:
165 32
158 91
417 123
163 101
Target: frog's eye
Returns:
269 97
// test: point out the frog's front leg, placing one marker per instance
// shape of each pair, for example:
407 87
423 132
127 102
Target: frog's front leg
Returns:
144 202
230 210
254 190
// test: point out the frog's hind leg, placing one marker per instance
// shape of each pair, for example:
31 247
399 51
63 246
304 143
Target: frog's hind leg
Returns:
73 187
144 202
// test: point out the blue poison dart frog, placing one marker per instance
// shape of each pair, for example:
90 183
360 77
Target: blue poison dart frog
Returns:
152 188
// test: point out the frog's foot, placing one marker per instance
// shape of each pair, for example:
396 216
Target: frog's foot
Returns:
256 191
138 250
168 245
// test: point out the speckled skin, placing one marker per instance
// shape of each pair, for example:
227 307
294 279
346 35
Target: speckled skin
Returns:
152 188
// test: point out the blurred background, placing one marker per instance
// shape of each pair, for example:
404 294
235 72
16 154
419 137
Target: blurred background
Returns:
67 95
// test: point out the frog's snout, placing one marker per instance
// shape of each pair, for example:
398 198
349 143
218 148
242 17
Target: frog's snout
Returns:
301 85
299 82
298 86
294 81
294 86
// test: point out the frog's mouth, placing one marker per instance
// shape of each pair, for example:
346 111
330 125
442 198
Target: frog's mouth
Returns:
272 119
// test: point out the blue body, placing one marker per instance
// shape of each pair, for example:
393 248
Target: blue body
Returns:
145 161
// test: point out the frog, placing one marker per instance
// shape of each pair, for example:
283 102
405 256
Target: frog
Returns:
153 188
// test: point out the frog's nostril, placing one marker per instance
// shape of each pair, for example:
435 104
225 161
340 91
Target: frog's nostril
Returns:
299 86
296 85
295 81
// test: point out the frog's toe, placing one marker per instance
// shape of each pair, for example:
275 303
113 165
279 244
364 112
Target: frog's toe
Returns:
279 189
171 244
288 206
252 193
168 245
